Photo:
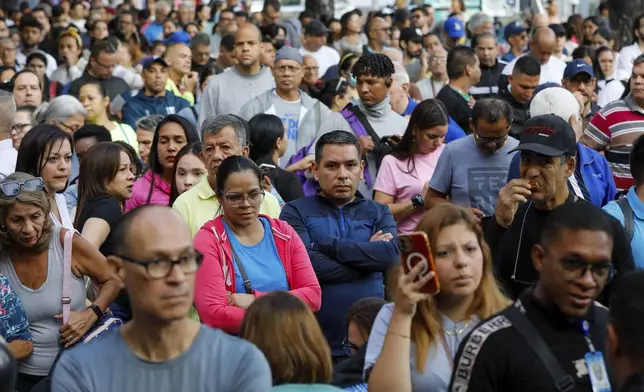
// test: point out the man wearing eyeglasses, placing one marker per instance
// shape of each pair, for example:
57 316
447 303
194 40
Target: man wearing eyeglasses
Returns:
548 149
102 62
303 117
161 348
475 182
553 338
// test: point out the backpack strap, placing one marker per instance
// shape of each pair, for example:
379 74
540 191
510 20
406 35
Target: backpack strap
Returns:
563 382
629 217
365 123
66 299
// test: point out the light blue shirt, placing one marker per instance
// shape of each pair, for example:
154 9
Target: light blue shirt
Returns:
261 262
637 245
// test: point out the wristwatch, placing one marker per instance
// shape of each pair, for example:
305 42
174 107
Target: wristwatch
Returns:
418 201
97 310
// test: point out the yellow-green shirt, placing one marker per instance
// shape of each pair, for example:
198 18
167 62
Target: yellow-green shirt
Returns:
188 96
199 204
124 133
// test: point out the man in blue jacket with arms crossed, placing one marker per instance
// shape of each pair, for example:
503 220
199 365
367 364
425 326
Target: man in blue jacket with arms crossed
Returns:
351 241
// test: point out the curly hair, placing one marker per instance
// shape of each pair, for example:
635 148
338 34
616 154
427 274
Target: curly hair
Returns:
373 64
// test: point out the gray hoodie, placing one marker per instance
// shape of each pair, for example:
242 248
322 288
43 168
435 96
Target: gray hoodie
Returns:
315 120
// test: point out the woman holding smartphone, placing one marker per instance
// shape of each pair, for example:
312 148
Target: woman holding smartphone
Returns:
413 341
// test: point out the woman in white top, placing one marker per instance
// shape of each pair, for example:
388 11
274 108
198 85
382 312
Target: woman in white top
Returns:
46 152
413 341
609 88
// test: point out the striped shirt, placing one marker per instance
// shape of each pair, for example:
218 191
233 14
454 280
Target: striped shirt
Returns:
613 130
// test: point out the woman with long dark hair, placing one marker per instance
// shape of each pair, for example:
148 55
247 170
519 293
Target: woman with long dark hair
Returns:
188 170
171 135
351 39
609 88
334 93
268 144
404 175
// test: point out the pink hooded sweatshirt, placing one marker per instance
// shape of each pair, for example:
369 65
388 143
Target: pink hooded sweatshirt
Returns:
141 190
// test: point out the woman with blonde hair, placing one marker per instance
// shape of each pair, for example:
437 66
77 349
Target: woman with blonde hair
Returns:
413 342
283 327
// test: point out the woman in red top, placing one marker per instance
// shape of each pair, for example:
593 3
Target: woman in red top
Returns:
246 254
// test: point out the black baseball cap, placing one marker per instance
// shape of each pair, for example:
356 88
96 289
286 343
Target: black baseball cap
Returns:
411 34
548 135
558 28
315 28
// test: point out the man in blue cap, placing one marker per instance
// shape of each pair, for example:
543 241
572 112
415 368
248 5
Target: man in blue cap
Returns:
515 35
453 32
579 79
153 98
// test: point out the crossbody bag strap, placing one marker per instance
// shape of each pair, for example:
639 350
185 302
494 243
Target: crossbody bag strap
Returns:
629 220
248 287
66 299
563 382
365 123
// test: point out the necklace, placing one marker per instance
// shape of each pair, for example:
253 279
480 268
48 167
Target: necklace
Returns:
457 332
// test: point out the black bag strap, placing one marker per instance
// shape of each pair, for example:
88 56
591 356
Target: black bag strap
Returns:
563 382
365 123
629 217
248 287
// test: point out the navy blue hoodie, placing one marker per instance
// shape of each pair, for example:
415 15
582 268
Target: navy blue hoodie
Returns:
141 105
349 267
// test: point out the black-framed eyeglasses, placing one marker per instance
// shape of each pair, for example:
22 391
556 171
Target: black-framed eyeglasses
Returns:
20 128
70 129
490 140
13 188
104 65
601 272
349 348
162 268
236 199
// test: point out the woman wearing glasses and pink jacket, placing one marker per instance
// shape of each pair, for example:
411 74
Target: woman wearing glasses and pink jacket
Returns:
246 255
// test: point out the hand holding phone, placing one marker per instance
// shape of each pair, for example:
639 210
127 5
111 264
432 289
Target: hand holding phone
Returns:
415 250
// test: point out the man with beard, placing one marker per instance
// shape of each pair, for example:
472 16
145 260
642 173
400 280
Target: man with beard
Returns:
411 44
230 90
475 182
519 89
487 51
580 78
154 98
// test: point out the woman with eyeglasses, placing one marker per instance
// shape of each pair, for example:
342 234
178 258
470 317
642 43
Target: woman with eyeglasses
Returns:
22 123
360 318
31 258
247 255
65 112
404 175
171 135
286 331
95 100
46 152
413 341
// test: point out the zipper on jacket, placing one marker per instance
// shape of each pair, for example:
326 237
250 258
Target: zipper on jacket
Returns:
343 223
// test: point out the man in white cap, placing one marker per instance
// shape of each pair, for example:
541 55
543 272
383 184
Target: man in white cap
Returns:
303 116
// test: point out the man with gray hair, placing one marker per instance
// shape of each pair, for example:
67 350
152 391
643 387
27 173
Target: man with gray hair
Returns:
480 23
222 136
399 98
304 117
592 180
8 154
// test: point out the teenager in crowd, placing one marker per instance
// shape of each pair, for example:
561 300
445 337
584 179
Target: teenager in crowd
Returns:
188 170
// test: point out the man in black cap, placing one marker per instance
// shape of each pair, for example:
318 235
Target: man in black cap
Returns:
415 61
153 98
314 44
548 148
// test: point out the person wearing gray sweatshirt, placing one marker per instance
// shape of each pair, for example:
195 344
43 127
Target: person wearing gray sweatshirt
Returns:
304 118
374 75
230 90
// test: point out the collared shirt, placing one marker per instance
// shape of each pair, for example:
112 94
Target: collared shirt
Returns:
637 244
200 204
8 157
187 95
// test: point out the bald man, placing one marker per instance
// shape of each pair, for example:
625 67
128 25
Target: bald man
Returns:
161 348
181 80
542 45
230 90
539 20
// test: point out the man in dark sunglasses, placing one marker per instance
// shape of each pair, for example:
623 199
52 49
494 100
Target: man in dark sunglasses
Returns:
475 181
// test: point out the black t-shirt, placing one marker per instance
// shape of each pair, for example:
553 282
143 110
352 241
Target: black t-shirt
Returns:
107 209
287 184
457 107
511 247
113 85
495 357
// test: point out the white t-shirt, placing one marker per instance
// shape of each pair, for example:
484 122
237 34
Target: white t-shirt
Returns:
551 72
625 62
326 57
8 157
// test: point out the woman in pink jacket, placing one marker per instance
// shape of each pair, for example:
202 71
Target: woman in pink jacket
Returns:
172 133
247 255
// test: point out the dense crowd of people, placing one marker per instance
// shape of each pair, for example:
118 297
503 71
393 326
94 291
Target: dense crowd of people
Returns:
197 197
